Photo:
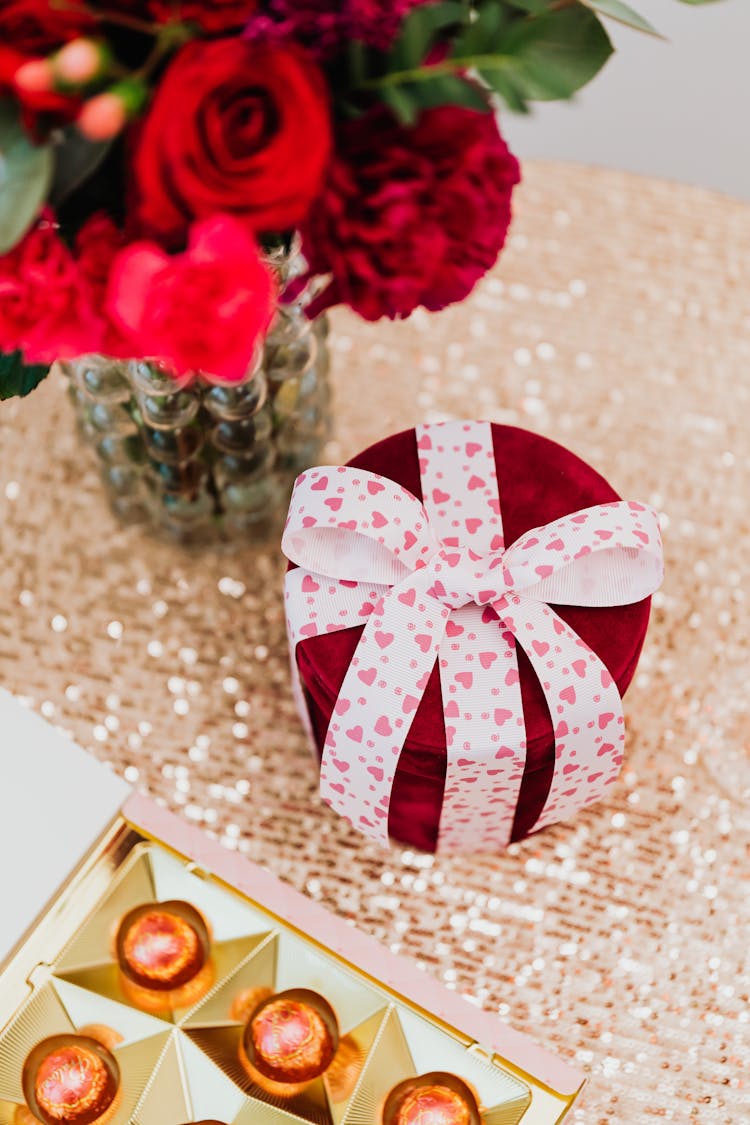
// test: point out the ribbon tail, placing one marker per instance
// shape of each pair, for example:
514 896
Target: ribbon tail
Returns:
314 605
584 705
486 742
376 706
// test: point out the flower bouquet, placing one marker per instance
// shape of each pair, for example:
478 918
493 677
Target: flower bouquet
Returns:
186 186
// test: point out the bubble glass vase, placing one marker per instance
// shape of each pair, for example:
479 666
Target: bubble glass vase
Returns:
206 462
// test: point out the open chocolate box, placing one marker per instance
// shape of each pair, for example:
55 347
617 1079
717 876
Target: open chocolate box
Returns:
148 975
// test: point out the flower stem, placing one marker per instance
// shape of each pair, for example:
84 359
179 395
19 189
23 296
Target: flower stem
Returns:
447 66
120 19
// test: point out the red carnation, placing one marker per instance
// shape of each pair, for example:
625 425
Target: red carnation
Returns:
235 127
98 243
46 309
411 217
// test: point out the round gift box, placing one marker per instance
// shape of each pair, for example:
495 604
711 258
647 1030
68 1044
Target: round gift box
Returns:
539 481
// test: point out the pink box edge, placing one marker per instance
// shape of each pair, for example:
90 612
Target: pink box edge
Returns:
361 950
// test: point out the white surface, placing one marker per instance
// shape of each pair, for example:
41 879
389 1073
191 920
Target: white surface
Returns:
679 110
55 800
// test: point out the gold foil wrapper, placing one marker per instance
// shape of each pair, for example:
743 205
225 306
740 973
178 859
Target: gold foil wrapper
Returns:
289 1040
432 1099
284 1031
71 1080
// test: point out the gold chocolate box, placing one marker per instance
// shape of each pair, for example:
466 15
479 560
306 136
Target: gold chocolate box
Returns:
168 981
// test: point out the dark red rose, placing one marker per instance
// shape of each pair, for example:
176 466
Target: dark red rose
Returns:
235 127
411 217
36 27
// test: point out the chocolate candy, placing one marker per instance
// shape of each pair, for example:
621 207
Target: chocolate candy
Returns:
70 1080
289 1040
433 1099
162 946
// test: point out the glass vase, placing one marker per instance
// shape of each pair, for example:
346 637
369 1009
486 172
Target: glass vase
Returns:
208 462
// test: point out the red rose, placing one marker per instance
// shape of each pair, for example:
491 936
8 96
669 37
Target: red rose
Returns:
411 217
204 310
36 27
235 127
45 304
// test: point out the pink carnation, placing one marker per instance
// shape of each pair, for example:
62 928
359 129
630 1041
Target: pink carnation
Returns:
204 310
411 217
46 309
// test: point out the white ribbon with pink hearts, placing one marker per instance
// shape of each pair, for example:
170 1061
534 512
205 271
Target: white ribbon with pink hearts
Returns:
434 581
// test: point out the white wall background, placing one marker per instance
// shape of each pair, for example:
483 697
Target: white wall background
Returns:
680 109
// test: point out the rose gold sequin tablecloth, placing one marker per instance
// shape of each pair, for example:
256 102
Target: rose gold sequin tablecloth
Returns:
618 323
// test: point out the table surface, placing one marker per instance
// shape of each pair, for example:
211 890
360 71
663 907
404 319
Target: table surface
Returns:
618 323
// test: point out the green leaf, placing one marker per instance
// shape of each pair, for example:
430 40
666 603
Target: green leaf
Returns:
25 176
491 19
400 100
534 7
419 31
623 13
76 158
504 87
555 54
450 89
550 53
17 378
357 62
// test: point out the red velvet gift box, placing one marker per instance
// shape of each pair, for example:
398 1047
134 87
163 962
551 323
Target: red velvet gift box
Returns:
539 482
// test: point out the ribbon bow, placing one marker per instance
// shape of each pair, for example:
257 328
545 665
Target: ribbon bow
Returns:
436 582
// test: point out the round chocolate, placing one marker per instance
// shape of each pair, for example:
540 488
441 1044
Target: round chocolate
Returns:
70 1080
432 1099
291 1037
161 946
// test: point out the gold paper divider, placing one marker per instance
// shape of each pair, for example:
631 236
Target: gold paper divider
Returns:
152 874
92 944
48 1013
408 1046
187 1086
300 965
257 970
221 1044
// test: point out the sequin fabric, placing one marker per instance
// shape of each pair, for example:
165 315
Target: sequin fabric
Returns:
616 323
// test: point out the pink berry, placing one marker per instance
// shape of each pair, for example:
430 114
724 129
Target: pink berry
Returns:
35 77
102 117
78 62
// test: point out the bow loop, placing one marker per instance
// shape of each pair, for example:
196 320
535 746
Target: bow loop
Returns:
354 525
609 554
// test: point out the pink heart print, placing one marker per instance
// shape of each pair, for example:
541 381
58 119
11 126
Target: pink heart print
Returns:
435 581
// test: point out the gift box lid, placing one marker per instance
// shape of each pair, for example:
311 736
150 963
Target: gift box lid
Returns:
539 481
